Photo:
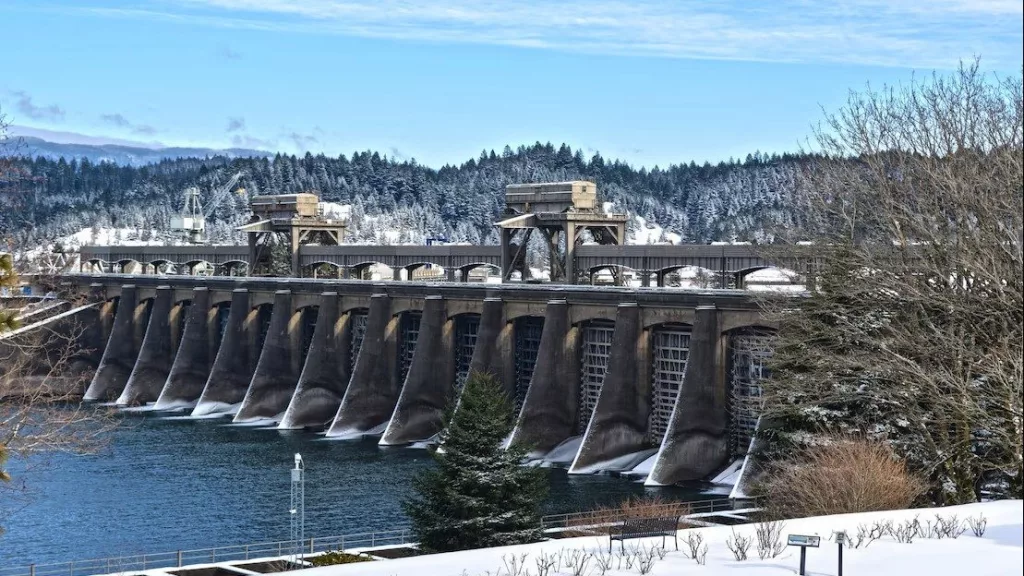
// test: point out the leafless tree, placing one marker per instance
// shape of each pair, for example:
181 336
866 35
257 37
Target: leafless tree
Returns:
912 333
42 374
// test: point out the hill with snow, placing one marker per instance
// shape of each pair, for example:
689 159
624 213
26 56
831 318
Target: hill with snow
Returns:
123 154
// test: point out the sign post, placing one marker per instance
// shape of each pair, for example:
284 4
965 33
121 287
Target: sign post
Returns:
804 542
840 540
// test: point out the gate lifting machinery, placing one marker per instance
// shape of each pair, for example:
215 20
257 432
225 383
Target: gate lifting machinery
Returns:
192 219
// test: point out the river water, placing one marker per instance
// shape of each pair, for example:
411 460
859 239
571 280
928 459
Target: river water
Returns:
165 484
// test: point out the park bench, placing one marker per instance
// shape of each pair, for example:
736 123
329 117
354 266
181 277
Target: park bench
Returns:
645 528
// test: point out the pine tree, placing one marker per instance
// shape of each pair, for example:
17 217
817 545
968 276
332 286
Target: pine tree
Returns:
8 279
479 494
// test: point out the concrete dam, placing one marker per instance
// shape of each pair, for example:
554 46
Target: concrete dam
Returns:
657 382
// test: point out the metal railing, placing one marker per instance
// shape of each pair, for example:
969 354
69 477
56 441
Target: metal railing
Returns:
604 517
280 549
284 548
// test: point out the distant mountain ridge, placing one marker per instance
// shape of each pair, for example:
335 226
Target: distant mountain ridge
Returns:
122 155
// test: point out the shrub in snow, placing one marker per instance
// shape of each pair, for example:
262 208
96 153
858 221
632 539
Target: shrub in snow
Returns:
577 561
948 526
336 557
478 495
603 560
646 558
544 562
702 555
698 550
739 545
978 524
769 539
841 476
515 564
905 532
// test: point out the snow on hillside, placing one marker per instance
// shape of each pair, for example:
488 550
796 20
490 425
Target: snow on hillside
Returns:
651 234
105 236
997 553
336 210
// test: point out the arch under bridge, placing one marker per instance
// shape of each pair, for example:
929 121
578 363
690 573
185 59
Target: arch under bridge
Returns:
728 265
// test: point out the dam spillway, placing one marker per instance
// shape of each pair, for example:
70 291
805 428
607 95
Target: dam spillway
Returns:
602 372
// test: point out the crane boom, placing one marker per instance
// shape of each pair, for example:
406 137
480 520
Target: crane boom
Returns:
221 193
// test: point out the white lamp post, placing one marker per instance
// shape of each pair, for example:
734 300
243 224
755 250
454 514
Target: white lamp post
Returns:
297 512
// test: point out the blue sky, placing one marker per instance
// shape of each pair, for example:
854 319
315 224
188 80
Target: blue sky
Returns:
648 81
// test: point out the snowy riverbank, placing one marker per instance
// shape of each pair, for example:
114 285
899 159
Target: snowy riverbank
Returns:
997 553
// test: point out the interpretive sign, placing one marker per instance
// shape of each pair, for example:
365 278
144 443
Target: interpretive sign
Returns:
803 541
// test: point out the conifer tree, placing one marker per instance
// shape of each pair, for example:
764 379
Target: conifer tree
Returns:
8 279
479 494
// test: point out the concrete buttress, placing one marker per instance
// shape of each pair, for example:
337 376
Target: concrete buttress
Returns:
429 385
488 354
696 442
119 356
191 367
154 362
549 412
372 391
619 423
325 373
232 371
276 373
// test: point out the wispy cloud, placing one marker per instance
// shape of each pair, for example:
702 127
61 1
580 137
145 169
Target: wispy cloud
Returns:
244 141
914 33
303 142
236 124
119 121
24 104
228 52
115 120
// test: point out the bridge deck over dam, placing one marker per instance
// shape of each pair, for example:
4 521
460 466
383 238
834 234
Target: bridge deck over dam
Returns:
731 263
602 377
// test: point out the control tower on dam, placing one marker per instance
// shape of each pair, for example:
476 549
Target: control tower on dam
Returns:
662 382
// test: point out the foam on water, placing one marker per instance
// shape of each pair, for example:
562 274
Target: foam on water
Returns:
218 408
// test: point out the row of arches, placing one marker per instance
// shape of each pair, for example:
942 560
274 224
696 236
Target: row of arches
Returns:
375 270
692 277
166 267
685 276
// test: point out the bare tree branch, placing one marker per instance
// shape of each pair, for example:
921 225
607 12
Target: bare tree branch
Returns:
913 333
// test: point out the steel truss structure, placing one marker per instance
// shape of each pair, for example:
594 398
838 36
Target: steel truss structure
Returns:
670 351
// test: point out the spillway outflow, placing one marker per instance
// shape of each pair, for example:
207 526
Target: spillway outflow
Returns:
153 364
374 387
233 366
192 363
429 382
326 371
277 372
121 351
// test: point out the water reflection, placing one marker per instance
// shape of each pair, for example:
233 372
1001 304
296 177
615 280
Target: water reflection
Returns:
167 484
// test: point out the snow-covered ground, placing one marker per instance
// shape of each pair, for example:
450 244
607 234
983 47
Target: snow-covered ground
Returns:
650 233
1000 552
106 236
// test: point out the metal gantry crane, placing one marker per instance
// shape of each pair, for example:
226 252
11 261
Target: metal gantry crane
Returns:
192 218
